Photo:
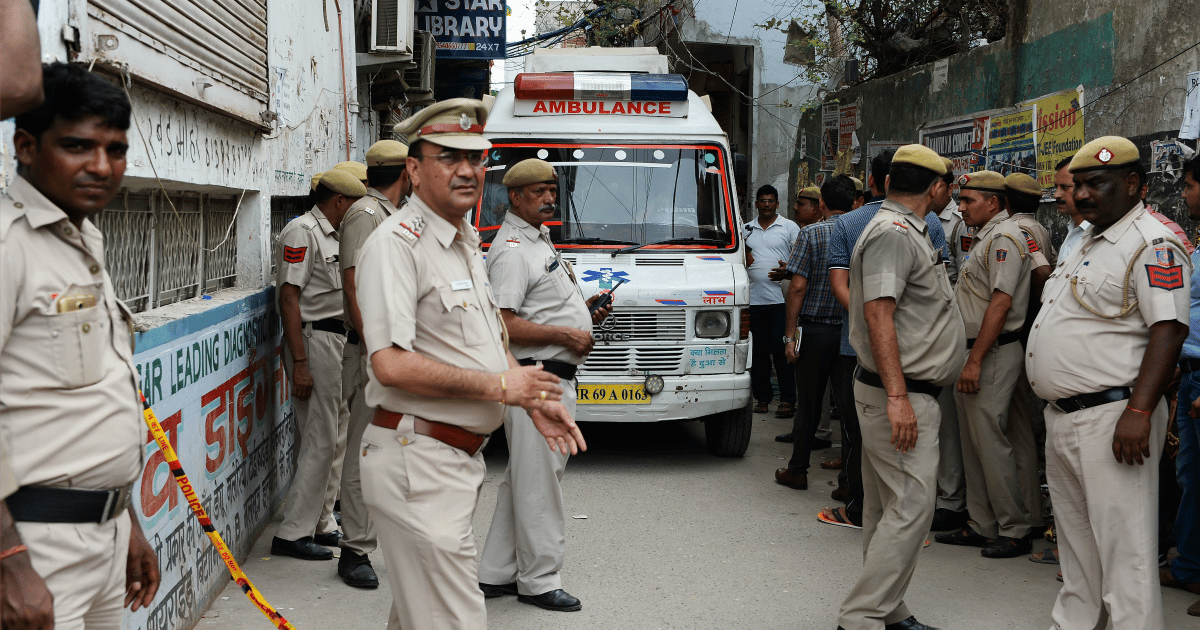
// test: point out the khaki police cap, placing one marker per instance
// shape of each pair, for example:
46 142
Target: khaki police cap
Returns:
949 164
342 182
531 171
1103 153
987 181
387 153
920 155
316 179
858 184
1022 183
811 192
357 169
456 123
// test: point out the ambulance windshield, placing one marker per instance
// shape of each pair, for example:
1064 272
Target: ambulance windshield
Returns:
617 195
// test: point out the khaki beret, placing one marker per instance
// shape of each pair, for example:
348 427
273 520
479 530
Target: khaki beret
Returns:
811 192
1104 152
1022 183
316 180
342 182
858 184
357 169
387 153
456 123
531 171
949 164
987 181
920 155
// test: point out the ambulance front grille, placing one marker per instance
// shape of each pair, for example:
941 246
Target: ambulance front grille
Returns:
618 359
646 323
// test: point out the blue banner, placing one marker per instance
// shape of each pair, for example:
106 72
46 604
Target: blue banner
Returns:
464 29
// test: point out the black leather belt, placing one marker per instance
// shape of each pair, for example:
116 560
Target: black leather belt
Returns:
1189 365
1085 401
1002 340
352 337
867 377
561 369
45 504
809 321
329 325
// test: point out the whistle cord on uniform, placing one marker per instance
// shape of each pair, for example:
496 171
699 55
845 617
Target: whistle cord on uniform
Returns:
193 501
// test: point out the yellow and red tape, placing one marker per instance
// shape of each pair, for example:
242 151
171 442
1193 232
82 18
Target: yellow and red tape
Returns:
194 502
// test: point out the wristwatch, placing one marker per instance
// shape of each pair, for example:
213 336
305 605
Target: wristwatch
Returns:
788 340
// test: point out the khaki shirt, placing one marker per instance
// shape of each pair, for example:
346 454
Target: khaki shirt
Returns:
895 258
69 408
308 258
422 287
999 260
1037 240
531 279
957 239
1095 321
361 219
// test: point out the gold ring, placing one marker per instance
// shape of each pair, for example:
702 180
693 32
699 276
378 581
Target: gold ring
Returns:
543 396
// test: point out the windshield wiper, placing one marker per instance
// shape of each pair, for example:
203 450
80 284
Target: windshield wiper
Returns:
593 240
689 240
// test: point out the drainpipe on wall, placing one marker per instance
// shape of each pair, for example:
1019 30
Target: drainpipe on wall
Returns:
345 95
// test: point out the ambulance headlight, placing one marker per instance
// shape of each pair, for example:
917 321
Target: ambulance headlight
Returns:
712 324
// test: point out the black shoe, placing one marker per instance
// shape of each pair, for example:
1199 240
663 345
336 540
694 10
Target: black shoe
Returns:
557 599
908 624
356 570
965 537
330 539
819 444
786 438
945 520
1007 547
305 549
498 590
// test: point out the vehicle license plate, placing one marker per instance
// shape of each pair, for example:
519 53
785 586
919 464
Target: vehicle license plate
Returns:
610 394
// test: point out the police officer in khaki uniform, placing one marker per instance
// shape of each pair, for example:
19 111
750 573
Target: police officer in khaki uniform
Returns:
388 176
1102 351
440 375
993 296
309 290
909 337
71 549
357 169
1025 417
549 323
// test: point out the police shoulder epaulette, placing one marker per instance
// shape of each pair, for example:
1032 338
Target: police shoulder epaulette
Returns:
1156 234
411 225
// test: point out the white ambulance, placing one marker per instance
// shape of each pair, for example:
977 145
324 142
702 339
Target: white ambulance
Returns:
646 196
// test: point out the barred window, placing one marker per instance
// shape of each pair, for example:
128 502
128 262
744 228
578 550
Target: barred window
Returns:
157 255
283 210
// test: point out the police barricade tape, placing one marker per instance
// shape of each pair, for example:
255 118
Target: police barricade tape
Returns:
194 502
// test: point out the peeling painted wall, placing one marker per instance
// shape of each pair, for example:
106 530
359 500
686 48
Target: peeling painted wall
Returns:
1105 46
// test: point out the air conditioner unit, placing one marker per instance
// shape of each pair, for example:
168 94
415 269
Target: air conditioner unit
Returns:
390 21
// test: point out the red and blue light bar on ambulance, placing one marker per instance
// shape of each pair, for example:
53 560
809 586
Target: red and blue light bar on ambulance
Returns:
560 93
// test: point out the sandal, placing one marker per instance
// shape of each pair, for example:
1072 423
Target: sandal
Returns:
836 516
785 410
760 408
965 537
1045 556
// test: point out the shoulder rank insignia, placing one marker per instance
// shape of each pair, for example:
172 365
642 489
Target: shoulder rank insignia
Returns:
900 226
1033 246
369 210
513 241
1168 278
408 233
294 255
1001 255
1158 240
418 224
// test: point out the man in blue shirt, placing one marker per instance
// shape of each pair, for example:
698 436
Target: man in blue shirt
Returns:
1184 571
846 230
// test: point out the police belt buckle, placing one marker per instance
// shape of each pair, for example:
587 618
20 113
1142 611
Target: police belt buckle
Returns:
118 501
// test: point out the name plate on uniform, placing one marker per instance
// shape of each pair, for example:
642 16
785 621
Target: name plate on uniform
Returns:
611 394
460 285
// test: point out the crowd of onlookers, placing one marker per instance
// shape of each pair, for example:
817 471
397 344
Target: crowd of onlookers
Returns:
1000 444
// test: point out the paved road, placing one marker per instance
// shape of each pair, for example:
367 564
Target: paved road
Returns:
675 538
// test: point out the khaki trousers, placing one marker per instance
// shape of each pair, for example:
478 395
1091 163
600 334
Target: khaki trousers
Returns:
1106 514
952 484
422 496
322 421
1023 418
83 565
527 542
994 496
899 490
356 519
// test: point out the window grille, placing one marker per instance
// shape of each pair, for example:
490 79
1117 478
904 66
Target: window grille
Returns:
153 253
283 210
